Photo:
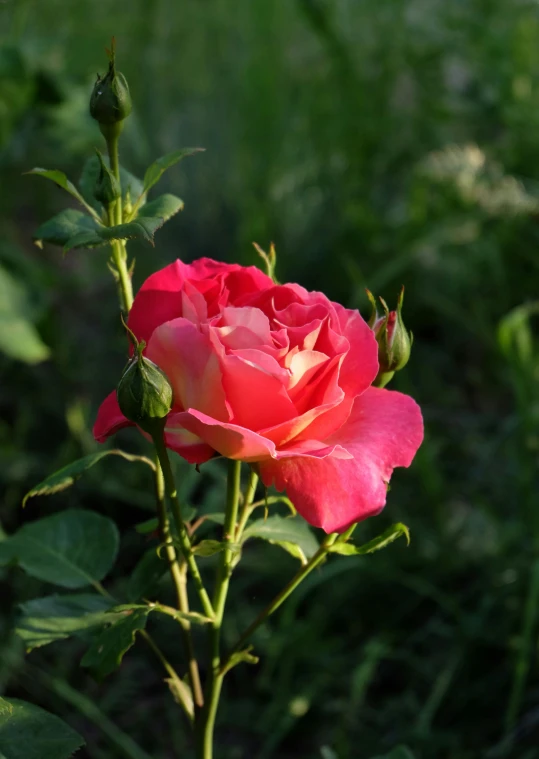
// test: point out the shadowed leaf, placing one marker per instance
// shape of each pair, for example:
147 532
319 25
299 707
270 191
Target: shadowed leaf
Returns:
45 620
65 225
72 549
29 732
69 474
291 533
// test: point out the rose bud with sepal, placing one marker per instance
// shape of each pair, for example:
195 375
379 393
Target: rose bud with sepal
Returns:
394 340
110 102
144 393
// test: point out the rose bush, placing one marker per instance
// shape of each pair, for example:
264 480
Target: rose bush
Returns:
276 376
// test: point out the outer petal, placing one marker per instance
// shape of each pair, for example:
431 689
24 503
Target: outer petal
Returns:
360 365
158 300
229 440
384 431
188 445
109 419
236 442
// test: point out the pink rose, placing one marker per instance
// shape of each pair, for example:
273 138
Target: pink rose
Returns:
273 375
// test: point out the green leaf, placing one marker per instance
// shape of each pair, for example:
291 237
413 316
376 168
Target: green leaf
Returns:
383 540
157 169
164 206
63 226
129 183
28 732
149 525
145 576
72 549
60 179
238 657
217 517
208 547
286 532
109 647
45 620
19 339
142 228
69 474
293 549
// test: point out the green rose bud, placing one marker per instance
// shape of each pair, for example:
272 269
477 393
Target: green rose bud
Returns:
110 102
145 394
107 188
394 341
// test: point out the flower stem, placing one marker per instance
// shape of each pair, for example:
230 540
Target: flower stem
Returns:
215 676
177 572
185 543
115 214
247 505
279 599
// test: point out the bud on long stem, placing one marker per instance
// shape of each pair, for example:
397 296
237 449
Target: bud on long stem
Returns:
110 103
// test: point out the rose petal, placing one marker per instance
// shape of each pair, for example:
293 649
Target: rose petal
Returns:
189 361
228 439
360 365
384 431
109 419
159 299
188 445
256 398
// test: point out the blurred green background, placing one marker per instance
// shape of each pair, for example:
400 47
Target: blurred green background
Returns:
377 143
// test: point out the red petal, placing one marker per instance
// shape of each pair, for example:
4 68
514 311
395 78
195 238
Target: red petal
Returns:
109 419
384 431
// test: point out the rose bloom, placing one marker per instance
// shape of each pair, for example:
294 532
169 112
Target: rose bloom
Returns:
278 377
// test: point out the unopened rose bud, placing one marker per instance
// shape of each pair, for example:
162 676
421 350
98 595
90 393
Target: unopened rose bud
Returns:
110 102
145 394
107 188
394 341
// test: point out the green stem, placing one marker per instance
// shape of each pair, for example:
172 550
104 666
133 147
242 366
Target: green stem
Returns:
281 597
177 573
229 531
185 543
115 214
215 675
247 506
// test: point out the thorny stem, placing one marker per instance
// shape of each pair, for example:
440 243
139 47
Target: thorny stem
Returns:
185 543
206 726
247 505
177 572
115 217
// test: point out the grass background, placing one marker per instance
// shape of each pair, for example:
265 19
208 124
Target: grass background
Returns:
377 143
